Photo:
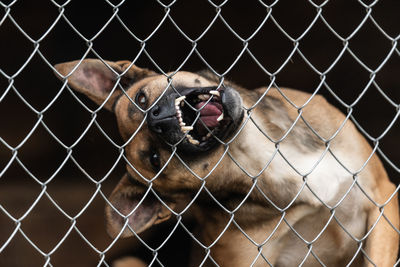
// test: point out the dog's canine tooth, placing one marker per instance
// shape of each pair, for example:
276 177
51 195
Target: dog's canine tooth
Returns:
186 128
204 97
221 117
182 103
179 99
181 123
213 92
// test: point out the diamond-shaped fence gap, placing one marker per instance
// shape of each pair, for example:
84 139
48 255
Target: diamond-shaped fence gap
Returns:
15 51
293 74
385 80
96 20
128 46
67 119
296 19
226 47
366 116
74 251
160 44
351 15
177 248
363 52
386 20
62 44
11 255
34 91
275 51
234 11
41 148
71 179
18 191
93 148
141 18
89 234
347 80
201 14
53 226
25 15
326 53
246 67
20 124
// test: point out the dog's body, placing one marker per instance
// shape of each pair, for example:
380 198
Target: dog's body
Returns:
272 193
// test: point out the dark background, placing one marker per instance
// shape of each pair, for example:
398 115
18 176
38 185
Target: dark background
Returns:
67 119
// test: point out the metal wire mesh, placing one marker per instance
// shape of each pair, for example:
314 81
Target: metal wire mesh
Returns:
12 150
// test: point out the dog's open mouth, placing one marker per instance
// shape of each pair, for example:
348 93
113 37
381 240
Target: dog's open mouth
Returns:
201 115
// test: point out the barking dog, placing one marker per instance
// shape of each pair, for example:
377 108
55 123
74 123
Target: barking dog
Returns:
264 191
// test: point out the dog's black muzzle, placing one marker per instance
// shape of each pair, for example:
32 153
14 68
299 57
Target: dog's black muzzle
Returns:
178 119
161 118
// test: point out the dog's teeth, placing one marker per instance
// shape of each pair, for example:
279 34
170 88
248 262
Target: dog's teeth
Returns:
186 128
181 123
208 135
182 103
179 99
203 97
180 119
221 117
193 141
213 92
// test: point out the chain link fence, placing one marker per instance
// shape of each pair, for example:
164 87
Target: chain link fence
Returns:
61 155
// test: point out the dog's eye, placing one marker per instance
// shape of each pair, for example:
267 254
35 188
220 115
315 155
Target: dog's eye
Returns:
155 160
141 100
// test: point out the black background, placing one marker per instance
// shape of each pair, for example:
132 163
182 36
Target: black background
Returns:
67 119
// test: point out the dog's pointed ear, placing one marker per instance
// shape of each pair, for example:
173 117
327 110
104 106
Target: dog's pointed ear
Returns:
126 197
96 79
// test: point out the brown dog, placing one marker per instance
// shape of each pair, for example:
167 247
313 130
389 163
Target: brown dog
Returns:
266 188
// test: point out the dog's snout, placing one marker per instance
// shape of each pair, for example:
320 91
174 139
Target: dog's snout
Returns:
155 111
162 116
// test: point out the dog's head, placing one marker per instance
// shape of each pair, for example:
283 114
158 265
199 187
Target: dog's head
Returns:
171 125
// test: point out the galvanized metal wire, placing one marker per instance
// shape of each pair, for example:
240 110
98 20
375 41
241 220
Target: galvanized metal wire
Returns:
194 51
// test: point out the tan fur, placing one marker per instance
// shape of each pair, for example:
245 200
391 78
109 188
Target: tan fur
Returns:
257 217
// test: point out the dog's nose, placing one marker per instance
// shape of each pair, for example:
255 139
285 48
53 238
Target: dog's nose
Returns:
161 118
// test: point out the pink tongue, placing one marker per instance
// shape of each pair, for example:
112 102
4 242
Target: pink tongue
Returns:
209 114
